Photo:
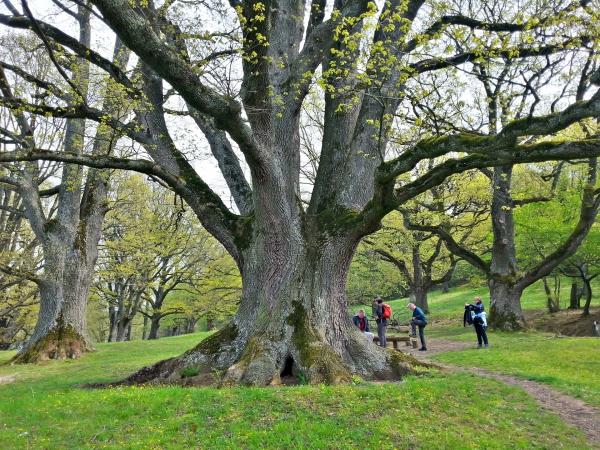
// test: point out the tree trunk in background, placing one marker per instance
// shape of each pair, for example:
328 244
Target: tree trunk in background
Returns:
445 287
421 281
588 295
70 240
113 320
552 300
190 325
505 298
418 296
506 306
210 324
574 297
145 326
123 328
154 326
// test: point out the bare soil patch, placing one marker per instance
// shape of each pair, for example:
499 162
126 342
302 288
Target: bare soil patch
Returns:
568 322
7 379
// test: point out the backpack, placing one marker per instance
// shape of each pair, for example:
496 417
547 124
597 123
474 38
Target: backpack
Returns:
387 311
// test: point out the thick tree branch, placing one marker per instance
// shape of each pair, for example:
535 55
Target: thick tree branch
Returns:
48 31
208 205
434 64
22 274
474 24
227 160
81 111
527 201
499 144
139 36
545 151
453 246
47 87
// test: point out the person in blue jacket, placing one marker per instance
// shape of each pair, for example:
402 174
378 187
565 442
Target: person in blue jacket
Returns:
418 320
479 321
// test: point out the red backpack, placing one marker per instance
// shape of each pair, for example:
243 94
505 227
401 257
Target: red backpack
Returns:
387 311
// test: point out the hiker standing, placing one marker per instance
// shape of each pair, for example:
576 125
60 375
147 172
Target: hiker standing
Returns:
380 320
418 320
362 322
479 321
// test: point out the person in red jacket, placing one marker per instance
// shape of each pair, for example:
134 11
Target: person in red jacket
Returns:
380 320
362 322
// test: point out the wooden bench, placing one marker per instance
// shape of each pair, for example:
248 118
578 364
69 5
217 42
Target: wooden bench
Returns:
395 340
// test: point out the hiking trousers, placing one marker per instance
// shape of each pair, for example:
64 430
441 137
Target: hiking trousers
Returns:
419 323
481 334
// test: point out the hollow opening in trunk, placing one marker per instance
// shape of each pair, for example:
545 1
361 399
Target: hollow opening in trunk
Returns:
288 368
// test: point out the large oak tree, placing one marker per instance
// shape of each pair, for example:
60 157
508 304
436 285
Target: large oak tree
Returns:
373 65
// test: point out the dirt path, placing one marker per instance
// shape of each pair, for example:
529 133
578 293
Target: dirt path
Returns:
572 411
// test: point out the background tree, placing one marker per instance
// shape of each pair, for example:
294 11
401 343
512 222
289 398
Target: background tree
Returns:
458 206
19 301
68 231
372 66
369 276
506 98
152 248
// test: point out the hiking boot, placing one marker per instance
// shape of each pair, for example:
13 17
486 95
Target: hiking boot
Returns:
487 346
479 346
423 349
412 335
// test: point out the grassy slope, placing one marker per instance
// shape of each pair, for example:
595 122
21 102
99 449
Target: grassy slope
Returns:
41 410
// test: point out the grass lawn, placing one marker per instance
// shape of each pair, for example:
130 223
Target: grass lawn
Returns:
571 365
40 408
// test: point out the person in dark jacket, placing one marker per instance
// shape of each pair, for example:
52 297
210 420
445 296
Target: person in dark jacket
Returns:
380 320
479 321
362 322
418 320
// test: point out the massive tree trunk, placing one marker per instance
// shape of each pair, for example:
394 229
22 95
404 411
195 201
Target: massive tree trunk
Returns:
293 310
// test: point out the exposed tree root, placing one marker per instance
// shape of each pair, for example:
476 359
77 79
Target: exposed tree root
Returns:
263 364
59 343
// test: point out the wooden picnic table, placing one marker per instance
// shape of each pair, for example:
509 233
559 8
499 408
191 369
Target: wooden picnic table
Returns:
395 340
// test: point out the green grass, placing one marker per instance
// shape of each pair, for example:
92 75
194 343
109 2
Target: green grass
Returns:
40 409
570 365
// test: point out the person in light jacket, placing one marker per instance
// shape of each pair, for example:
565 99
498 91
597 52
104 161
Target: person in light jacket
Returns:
479 321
